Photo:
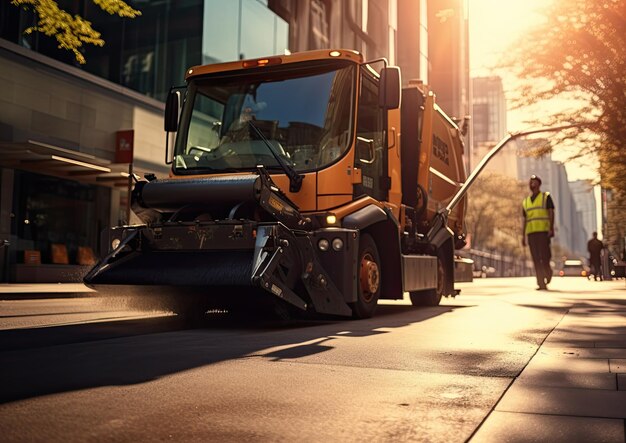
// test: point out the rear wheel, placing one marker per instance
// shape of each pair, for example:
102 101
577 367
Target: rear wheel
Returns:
369 278
432 297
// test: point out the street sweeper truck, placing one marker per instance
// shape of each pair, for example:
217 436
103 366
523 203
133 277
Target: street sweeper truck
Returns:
311 181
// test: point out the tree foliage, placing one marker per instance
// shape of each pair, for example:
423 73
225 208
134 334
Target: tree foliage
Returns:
494 213
71 31
579 53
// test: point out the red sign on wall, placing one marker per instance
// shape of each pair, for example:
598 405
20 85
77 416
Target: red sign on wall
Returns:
124 141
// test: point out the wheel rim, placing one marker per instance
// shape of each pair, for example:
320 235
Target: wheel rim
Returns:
369 277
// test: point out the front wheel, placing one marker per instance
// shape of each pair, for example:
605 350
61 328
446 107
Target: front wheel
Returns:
369 278
432 297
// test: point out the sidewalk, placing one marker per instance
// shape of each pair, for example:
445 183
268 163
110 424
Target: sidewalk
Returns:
574 388
13 291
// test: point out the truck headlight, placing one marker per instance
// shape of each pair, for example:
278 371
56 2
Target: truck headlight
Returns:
323 244
337 244
115 243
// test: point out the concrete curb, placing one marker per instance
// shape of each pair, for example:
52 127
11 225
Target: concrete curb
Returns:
25 291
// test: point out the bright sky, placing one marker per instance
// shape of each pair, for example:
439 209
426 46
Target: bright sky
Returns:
494 26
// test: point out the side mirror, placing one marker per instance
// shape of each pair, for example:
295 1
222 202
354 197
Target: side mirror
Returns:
389 92
172 106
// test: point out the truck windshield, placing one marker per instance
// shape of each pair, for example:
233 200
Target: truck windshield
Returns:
304 113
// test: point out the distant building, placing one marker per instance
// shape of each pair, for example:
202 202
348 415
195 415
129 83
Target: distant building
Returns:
584 196
490 126
488 109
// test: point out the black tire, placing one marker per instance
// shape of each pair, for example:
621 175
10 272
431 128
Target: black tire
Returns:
432 297
369 278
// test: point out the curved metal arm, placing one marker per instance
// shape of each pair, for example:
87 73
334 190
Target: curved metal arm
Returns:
472 177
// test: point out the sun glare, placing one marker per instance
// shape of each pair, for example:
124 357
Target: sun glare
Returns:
495 25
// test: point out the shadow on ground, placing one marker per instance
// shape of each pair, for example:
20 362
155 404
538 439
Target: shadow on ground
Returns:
38 362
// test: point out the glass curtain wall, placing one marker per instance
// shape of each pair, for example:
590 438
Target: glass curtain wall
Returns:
149 53
240 29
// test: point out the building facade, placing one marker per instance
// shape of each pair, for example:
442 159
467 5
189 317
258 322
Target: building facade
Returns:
66 130
488 109
448 55
586 203
489 125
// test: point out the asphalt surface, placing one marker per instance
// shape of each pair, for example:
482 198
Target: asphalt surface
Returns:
83 369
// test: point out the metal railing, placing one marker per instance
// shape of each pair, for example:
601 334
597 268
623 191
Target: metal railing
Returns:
498 264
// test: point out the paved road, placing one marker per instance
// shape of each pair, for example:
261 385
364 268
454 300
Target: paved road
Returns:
408 374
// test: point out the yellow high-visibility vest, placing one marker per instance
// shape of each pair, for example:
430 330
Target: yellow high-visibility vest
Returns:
537 215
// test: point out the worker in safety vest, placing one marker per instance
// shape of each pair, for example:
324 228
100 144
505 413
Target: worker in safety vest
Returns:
538 228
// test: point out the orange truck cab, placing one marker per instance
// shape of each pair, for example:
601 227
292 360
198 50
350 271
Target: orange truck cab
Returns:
308 181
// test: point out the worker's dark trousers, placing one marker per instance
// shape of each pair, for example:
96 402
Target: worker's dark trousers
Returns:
539 244
596 268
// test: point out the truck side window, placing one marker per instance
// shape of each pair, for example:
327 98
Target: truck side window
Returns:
369 145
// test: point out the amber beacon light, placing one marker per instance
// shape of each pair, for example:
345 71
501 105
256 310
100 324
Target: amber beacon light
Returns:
262 62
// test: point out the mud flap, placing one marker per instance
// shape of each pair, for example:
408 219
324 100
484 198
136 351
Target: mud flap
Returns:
265 276
297 254
324 294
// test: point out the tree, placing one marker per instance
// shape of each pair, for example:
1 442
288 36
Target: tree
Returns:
71 32
578 53
494 213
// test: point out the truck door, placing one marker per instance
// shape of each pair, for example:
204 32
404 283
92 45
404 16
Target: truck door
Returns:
371 153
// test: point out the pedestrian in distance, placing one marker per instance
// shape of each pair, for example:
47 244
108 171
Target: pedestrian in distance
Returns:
595 247
538 229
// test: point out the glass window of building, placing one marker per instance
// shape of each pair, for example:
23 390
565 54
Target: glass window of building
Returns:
220 39
480 120
54 214
318 37
377 29
149 53
154 50
241 29
257 30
